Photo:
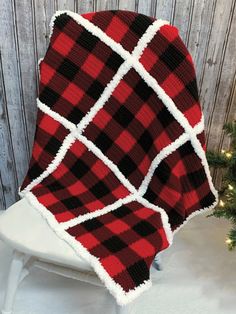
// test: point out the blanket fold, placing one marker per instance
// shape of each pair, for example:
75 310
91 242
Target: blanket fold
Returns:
118 162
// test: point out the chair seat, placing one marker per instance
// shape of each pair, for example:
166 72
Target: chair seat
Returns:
23 228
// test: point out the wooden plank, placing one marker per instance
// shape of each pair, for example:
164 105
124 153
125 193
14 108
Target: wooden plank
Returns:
84 6
8 180
13 88
65 5
147 7
47 9
42 12
2 196
127 5
164 9
101 5
27 56
226 78
213 71
40 27
181 17
198 38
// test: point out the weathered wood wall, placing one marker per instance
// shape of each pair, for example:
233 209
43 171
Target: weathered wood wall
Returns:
208 28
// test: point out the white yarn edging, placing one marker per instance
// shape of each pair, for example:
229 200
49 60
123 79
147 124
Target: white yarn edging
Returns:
99 212
115 289
56 116
123 69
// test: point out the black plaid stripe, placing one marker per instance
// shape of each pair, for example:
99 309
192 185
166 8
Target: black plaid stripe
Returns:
120 236
133 127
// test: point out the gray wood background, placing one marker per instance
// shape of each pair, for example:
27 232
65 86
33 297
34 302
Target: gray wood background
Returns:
207 27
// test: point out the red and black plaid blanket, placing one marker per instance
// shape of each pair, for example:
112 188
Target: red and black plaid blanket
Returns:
118 162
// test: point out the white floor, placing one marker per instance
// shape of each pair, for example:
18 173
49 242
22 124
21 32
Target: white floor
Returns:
199 277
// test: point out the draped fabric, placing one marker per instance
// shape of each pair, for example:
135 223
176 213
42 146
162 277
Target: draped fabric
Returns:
118 162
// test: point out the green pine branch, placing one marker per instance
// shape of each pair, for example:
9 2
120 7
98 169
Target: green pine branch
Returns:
226 207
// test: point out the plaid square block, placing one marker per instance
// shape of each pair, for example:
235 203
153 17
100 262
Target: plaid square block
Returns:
125 241
136 128
177 76
180 184
194 179
67 80
80 184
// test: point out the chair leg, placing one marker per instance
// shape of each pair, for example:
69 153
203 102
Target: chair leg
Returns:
157 262
14 275
123 309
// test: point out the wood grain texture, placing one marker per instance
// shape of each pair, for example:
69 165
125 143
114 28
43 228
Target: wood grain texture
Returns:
207 27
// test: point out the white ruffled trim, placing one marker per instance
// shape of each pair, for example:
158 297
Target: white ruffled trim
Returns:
56 116
99 212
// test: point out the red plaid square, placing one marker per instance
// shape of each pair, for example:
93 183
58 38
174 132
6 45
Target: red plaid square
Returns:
73 94
93 66
117 29
63 44
125 141
48 73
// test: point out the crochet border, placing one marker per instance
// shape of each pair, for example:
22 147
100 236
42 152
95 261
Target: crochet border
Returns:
131 60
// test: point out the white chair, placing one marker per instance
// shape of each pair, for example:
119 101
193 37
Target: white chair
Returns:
34 243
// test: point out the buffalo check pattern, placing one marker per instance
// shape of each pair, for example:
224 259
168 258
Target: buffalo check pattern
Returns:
118 162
